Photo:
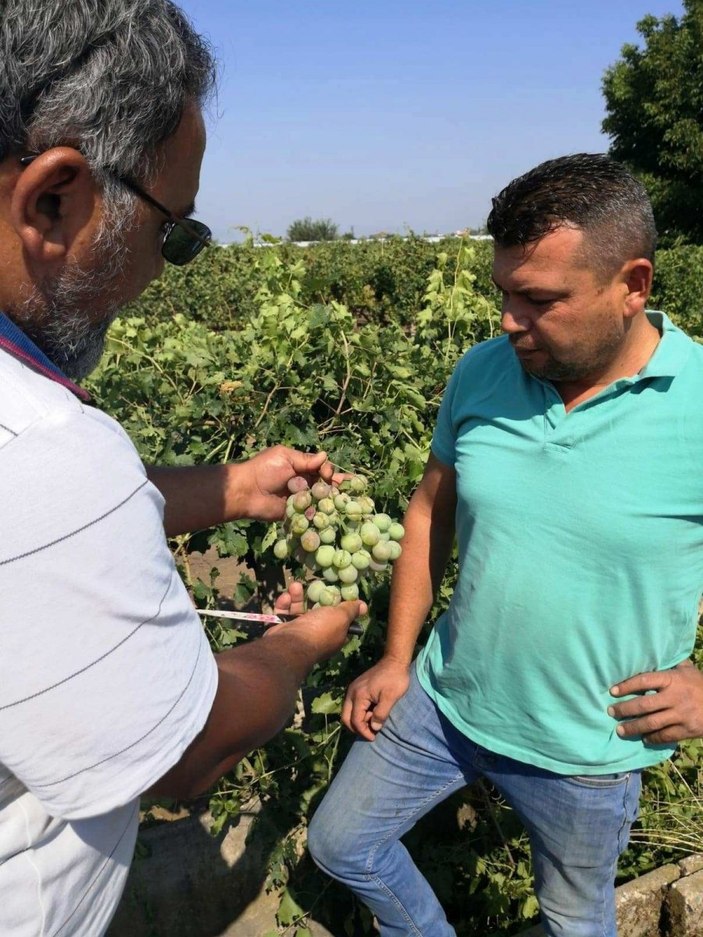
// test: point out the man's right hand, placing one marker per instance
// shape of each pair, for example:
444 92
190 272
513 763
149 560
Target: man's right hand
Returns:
371 697
322 630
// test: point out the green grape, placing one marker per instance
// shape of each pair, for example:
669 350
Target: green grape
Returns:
350 592
328 535
326 506
381 552
299 524
302 501
361 559
341 559
310 541
356 483
395 549
280 549
330 574
320 520
366 504
377 567
325 556
397 531
382 521
352 510
312 593
340 501
348 574
320 490
351 542
327 598
369 533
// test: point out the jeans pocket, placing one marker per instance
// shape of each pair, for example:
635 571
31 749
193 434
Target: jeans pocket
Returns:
600 780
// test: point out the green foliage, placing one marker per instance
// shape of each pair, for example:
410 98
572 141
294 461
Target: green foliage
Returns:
347 348
654 103
307 229
378 281
678 287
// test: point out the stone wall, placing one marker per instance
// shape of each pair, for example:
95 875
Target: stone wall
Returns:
665 903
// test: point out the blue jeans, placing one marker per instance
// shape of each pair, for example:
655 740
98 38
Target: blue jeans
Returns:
578 826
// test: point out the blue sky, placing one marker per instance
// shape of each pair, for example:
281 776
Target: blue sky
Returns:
385 115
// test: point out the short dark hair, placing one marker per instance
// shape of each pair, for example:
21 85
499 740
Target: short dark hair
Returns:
589 191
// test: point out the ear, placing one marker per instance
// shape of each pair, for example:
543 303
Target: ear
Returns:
53 204
637 277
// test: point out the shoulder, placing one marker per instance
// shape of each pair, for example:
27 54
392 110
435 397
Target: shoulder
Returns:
70 465
486 365
492 352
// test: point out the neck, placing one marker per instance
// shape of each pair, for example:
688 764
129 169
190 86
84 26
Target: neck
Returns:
640 343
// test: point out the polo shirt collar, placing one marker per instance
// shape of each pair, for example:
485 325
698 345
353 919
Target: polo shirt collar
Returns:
13 339
672 351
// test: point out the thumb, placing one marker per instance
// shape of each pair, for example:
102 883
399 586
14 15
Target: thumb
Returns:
307 462
383 707
344 613
353 609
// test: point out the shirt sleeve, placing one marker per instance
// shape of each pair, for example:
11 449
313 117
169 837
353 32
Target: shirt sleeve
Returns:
106 675
444 436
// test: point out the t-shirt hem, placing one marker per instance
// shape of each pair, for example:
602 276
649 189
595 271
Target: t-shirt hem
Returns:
646 758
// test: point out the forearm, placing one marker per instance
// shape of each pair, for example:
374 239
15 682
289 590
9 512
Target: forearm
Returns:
204 496
256 693
417 575
199 496
257 690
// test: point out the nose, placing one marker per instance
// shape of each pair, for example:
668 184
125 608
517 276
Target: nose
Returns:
512 320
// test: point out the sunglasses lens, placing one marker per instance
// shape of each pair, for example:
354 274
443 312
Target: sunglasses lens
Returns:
183 244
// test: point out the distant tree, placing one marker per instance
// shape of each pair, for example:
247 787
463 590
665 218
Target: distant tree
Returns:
305 229
654 106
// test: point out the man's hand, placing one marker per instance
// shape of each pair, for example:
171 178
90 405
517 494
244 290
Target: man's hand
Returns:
292 601
260 486
674 711
320 632
201 496
371 697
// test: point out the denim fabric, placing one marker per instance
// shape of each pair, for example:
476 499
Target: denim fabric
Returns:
578 826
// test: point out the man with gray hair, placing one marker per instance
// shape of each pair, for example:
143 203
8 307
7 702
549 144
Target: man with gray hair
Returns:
567 462
107 685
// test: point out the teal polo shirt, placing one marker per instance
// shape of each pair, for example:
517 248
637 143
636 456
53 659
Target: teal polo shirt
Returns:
580 540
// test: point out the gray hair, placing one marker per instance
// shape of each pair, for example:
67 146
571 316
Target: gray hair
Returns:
109 77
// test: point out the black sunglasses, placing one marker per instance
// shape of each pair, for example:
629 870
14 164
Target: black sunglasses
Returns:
184 238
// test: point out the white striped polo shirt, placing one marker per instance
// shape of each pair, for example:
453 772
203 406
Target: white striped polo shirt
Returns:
105 673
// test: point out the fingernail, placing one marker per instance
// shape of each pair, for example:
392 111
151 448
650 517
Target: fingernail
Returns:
611 711
615 690
620 730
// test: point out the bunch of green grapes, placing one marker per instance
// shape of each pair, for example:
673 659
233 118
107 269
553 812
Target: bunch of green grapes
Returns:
334 532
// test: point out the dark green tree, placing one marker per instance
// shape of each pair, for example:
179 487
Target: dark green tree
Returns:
654 106
307 229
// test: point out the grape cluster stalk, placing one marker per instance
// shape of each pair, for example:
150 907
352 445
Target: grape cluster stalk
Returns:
335 534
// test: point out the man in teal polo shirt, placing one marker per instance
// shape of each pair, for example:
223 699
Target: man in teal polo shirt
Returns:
567 462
